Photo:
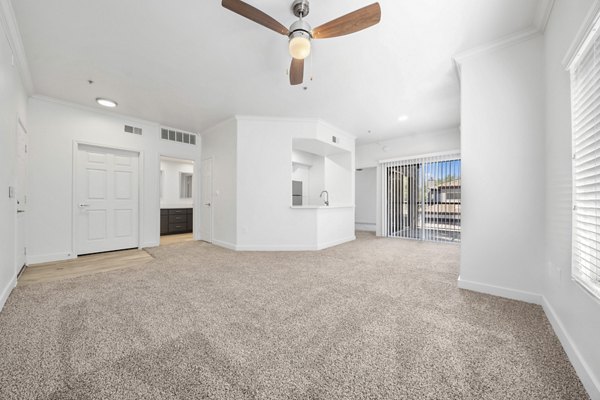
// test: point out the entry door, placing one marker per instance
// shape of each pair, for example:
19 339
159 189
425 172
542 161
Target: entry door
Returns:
21 196
107 206
206 222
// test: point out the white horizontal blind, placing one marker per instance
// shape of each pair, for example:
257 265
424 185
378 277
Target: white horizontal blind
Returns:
585 103
422 198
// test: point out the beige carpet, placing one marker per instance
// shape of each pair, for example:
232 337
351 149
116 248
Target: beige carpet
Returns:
373 319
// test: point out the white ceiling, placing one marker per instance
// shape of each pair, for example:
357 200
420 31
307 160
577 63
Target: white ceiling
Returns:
190 63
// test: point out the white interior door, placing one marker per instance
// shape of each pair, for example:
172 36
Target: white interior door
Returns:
21 197
206 222
106 199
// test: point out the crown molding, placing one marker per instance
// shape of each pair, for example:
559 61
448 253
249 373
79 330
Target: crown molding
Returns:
13 35
592 18
540 22
506 41
95 110
543 14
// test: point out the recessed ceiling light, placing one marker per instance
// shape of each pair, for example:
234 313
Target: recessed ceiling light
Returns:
106 102
403 118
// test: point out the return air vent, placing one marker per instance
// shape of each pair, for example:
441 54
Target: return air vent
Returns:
178 136
133 129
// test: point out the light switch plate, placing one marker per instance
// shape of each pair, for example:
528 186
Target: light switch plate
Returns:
11 192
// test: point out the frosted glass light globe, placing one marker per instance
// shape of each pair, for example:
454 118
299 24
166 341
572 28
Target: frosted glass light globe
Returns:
300 47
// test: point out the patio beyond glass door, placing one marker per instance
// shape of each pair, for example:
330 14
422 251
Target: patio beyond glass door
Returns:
422 198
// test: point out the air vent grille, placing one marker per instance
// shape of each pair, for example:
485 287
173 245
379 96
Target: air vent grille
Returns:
133 129
178 136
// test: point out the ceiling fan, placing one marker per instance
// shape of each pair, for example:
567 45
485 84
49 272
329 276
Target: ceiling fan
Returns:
301 33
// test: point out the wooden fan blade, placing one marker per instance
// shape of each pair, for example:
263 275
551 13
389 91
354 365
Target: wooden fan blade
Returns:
350 23
254 14
296 72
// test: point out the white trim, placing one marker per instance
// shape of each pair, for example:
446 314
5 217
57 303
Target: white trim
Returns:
430 155
97 110
585 373
367 227
578 42
506 41
500 291
300 247
543 13
7 291
226 245
334 243
13 35
315 121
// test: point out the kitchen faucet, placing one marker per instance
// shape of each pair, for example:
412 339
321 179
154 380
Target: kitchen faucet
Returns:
326 198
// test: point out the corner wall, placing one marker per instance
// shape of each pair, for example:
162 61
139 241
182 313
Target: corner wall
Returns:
574 313
13 104
220 144
502 149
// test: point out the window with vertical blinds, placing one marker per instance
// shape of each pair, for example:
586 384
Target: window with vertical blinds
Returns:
585 104
422 198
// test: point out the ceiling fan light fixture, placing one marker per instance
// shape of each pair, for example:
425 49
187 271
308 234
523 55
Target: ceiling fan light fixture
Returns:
299 45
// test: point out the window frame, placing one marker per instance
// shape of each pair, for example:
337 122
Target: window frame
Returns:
588 42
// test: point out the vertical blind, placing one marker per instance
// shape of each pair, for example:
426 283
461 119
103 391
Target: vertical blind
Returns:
422 198
585 104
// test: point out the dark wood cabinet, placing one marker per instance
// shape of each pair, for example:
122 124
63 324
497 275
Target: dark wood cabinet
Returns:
176 220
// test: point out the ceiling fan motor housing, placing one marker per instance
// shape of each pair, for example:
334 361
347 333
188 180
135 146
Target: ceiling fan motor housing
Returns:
300 28
300 8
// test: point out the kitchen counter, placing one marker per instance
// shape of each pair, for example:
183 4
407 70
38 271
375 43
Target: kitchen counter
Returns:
322 207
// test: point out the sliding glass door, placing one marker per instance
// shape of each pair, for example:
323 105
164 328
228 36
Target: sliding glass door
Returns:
422 198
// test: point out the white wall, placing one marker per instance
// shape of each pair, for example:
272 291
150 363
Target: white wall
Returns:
369 155
264 217
503 170
366 199
171 181
54 128
220 144
571 309
13 102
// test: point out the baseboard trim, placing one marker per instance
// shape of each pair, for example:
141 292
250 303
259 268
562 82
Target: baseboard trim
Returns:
500 291
301 247
7 291
366 227
226 245
333 243
46 258
589 381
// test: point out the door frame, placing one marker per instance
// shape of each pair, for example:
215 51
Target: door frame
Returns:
20 268
75 209
212 202
195 191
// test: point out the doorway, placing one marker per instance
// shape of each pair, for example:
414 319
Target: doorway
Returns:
21 197
177 193
207 200
422 198
106 195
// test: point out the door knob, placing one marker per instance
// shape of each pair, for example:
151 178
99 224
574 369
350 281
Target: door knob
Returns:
207 204
20 211
83 205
